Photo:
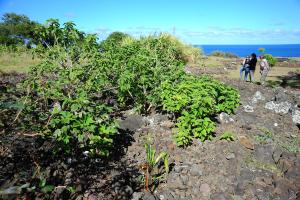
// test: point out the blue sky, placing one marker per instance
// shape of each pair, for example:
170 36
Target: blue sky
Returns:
194 21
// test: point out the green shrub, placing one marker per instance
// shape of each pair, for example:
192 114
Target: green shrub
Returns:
67 92
195 100
74 93
138 67
271 60
114 40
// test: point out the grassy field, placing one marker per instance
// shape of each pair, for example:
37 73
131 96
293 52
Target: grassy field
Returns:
16 62
213 61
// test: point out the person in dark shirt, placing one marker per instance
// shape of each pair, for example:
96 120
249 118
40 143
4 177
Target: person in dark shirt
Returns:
252 65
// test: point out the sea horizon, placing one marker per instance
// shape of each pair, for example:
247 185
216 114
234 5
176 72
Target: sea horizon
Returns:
242 50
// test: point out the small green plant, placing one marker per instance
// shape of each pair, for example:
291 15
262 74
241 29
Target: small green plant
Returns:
267 134
251 162
153 169
227 136
45 188
293 146
71 189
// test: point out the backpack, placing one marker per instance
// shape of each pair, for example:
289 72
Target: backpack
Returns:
262 65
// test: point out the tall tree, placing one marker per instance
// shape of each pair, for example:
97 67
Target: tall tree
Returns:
15 29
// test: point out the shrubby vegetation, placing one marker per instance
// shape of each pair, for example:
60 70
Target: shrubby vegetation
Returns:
76 91
195 101
223 54
15 29
271 60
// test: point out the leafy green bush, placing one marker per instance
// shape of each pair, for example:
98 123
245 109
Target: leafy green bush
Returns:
271 60
73 94
138 67
195 100
75 90
67 92
114 40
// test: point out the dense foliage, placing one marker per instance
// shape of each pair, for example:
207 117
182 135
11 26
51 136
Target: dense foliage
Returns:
79 87
271 60
16 29
196 100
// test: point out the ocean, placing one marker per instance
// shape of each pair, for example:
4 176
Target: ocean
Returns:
282 50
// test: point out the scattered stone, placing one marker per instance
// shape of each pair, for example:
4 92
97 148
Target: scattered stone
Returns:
282 107
246 142
196 170
132 122
296 117
128 190
220 196
10 191
177 183
167 124
248 108
230 156
149 196
137 196
156 119
166 195
205 189
257 96
224 118
280 95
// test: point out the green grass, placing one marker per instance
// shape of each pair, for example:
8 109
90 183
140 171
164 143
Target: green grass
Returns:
10 62
212 61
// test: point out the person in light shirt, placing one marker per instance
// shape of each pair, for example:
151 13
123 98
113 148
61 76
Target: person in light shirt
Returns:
264 69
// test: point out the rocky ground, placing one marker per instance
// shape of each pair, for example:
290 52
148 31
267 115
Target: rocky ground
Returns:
261 163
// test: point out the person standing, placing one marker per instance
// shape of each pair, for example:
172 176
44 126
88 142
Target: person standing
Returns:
244 67
264 69
252 65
